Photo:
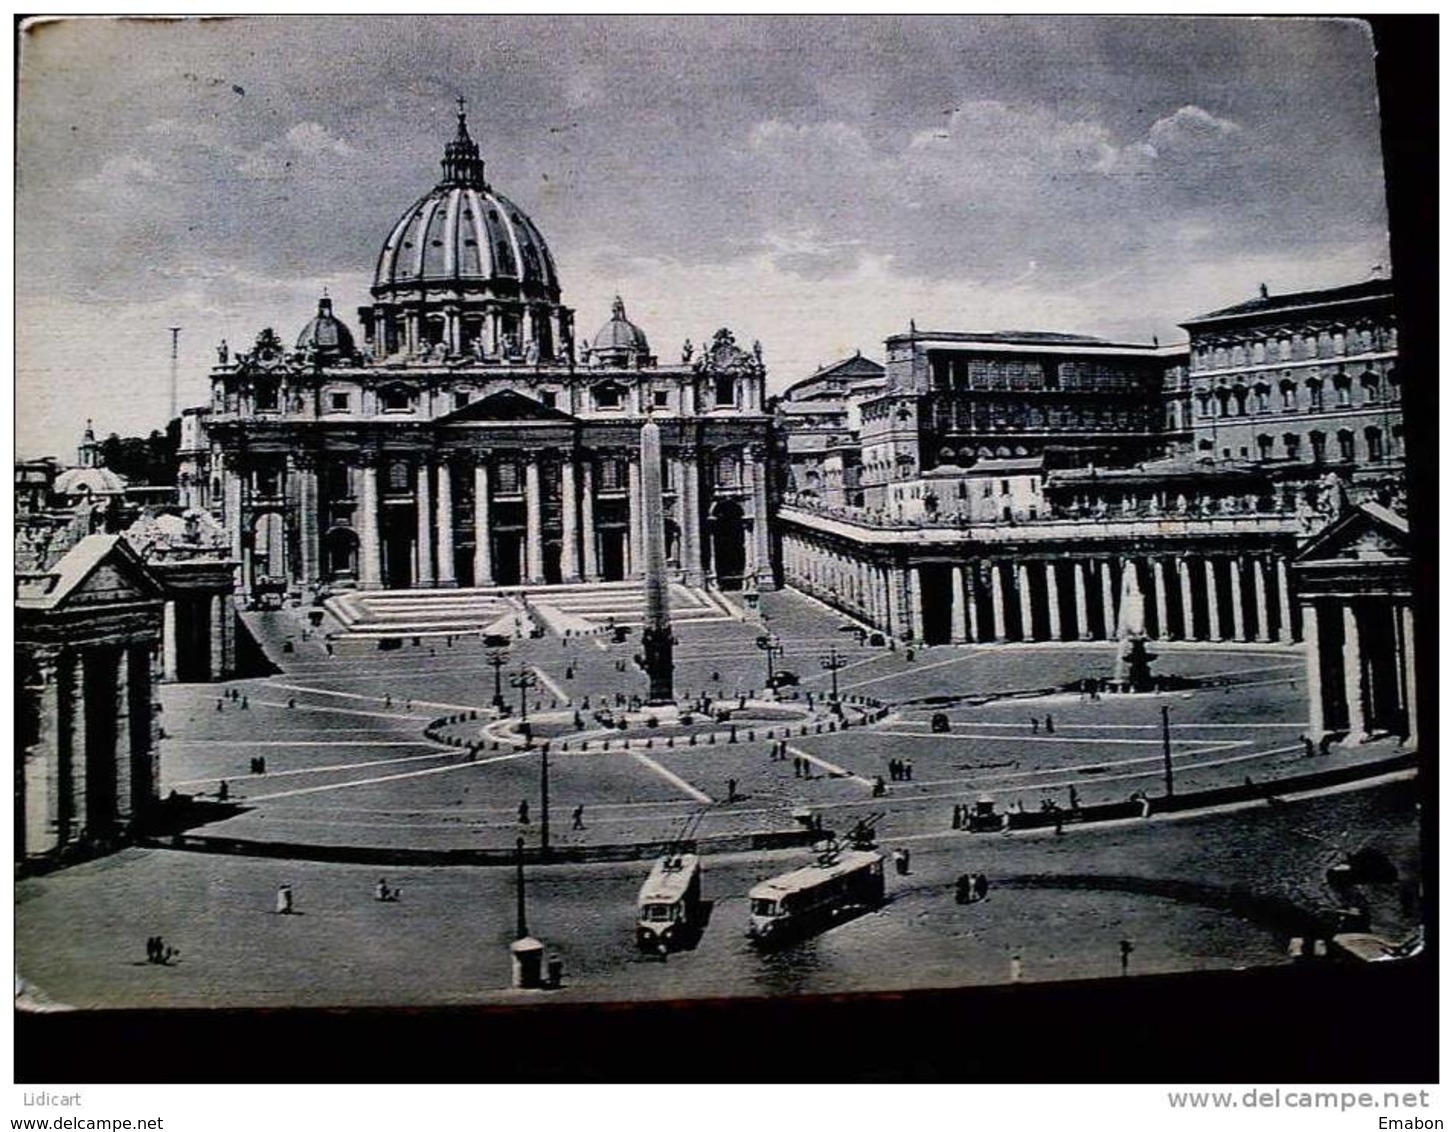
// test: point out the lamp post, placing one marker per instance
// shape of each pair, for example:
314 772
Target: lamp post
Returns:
524 680
771 646
832 662
497 659
1165 742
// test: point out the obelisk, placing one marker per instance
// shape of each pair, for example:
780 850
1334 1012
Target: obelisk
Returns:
656 632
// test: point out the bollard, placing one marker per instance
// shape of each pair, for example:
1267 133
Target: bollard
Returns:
526 958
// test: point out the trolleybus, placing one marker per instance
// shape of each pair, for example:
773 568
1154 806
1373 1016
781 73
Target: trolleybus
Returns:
669 908
810 899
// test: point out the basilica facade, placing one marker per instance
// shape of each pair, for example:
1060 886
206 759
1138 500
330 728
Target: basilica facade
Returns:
465 438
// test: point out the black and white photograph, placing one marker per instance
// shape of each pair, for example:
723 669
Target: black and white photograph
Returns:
528 516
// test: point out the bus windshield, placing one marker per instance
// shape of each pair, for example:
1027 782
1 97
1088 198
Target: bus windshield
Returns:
764 907
657 913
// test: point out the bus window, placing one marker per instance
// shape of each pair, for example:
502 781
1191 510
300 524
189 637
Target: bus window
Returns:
764 908
657 913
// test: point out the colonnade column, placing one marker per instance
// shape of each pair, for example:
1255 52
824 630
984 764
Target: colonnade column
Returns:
761 535
1162 607
587 520
633 479
41 761
1188 606
370 560
569 527
72 774
483 567
534 534
169 640
305 467
1213 603
445 524
1353 676
956 606
1410 674
121 711
1107 597
1238 605
1026 602
996 600
971 599
1285 630
1082 605
1051 597
216 641
423 525
915 602
690 496
1258 596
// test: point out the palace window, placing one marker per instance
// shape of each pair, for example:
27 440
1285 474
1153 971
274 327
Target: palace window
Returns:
1343 384
726 389
1371 388
1314 394
1293 444
1263 447
1394 385
1318 441
1374 445
1397 441
338 402
396 398
608 396
265 396
1346 445
1263 398
661 398
1288 394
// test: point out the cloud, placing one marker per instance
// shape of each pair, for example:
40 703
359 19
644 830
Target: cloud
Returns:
121 172
306 143
1189 127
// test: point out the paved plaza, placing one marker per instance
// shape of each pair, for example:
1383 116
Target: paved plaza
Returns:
347 765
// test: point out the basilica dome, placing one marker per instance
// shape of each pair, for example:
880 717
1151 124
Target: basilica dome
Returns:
325 335
463 232
620 335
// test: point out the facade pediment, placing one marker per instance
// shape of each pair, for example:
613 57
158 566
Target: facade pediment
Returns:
506 406
1369 533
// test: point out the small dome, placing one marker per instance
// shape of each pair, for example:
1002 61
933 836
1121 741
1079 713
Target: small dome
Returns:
88 481
620 333
325 334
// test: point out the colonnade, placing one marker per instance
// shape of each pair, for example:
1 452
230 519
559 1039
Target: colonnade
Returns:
199 637
1193 595
89 760
1361 675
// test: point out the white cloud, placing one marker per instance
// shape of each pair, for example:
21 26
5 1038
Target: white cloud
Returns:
1188 127
306 142
119 173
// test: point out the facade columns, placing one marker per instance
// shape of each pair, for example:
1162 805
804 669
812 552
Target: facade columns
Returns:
370 557
1238 605
216 637
915 602
1051 597
483 566
637 552
1082 607
1353 675
569 526
1026 603
1410 674
1258 597
971 599
587 521
1285 631
71 772
1162 605
121 710
445 524
956 606
423 526
534 530
1213 603
1188 606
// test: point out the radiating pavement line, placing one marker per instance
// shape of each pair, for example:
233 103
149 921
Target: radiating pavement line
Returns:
675 780
334 767
385 778
831 768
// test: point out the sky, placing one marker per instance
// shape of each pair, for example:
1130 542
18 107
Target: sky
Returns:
813 183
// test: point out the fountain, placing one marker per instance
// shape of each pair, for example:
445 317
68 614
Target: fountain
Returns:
1132 662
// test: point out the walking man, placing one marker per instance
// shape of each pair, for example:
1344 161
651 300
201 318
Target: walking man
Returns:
524 814
577 818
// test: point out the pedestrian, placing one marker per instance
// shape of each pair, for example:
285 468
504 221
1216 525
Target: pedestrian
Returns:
1049 724
731 789
1308 747
1059 822
900 865
244 703
222 792
151 948
577 818
328 647
907 857
963 890
981 886
524 811
1034 725
880 788
388 699
261 764
219 705
284 900
1074 799
957 823
908 770
797 768
1126 947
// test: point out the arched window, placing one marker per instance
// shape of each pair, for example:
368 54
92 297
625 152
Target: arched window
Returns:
1346 444
1203 403
1374 445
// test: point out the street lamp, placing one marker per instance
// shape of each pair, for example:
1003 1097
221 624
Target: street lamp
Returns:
832 662
497 659
771 646
524 680
1165 741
